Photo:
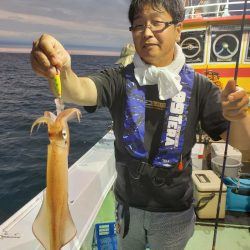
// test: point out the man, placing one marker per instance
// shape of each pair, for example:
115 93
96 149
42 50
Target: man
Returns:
156 103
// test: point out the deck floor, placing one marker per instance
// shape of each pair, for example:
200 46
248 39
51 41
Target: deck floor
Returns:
228 237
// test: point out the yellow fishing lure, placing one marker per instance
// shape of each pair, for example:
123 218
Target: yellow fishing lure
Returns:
58 85
58 88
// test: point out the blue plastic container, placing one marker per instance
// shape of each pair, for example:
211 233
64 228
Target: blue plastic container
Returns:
237 199
106 236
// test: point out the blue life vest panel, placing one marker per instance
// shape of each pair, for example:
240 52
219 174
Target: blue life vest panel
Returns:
175 120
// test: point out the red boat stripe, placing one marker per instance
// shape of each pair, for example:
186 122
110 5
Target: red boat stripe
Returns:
227 72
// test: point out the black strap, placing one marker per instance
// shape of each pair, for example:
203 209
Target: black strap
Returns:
126 219
126 214
154 121
138 168
202 203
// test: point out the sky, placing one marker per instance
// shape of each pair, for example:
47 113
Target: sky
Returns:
80 25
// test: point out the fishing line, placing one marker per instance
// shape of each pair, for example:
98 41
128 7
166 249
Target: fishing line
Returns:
228 131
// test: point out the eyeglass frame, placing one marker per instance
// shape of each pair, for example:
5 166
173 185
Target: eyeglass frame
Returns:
167 24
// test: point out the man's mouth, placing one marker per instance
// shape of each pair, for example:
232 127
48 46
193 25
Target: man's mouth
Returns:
147 45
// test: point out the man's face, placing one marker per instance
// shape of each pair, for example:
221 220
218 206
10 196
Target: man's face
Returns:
155 48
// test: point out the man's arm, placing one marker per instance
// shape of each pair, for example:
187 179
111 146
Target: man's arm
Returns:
239 134
235 105
78 90
47 57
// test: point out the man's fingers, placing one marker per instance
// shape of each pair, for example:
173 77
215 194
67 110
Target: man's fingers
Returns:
43 60
229 88
48 55
44 56
41 65
35 44
237 95
52 49
235 114
48 47
234 103
239 103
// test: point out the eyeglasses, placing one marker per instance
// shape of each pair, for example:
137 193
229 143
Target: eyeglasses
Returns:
155 26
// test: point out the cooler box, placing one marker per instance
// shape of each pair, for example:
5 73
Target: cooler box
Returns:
238 199
206 194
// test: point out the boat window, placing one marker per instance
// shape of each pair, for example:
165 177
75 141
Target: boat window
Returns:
224 44
192 43
213 8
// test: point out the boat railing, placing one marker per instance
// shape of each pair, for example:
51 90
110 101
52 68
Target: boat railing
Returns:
216 9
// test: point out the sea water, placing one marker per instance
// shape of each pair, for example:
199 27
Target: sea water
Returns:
24 97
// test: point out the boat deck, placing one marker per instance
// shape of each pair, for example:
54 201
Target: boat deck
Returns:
229 236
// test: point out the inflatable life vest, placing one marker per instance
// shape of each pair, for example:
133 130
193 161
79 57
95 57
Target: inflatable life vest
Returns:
175 119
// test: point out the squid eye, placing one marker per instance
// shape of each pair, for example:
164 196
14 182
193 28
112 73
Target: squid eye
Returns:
64 134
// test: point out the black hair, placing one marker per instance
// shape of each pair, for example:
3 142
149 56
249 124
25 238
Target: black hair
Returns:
174 7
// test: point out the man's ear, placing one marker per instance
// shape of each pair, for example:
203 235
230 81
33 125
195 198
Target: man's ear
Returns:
179 28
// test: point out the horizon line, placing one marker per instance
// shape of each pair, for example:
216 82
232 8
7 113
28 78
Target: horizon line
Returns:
71 51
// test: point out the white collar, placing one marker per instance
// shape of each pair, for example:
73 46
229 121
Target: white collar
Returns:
167 78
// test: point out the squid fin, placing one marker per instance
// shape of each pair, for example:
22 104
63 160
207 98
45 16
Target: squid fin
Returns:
41 226
69 229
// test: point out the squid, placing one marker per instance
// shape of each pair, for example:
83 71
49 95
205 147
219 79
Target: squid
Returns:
53 225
